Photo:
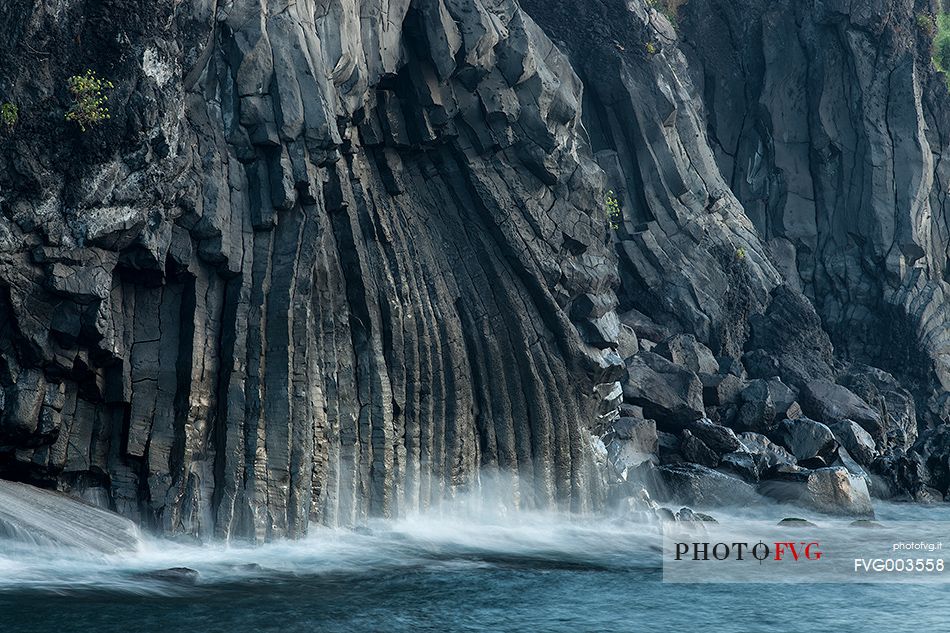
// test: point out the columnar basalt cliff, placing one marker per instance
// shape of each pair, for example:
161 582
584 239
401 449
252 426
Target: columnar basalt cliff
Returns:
331 260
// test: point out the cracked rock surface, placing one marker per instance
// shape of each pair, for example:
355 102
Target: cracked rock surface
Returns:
333 259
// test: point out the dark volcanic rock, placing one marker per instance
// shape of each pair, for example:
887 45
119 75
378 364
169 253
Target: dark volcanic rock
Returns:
685 350
932 452
829 403
179 575
695 450
842 226
697 485
744 464
323 263
668 393
720 389
806 439
829 490
318 265
855 439
762 404
668 446
764 448
885 394
787 341
717 437
631 442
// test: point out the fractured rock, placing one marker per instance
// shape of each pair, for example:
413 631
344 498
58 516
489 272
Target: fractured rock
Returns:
668 393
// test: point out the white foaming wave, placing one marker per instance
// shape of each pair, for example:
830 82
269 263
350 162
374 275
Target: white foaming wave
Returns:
419 541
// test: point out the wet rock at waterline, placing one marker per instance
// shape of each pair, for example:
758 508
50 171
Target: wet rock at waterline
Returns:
175 575
829 490
698 485
43 517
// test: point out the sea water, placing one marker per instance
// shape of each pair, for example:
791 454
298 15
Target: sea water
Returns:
456 569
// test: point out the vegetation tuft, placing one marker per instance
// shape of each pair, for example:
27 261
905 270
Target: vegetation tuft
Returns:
927 24
669 8
89 99
9 114
941 45
612 208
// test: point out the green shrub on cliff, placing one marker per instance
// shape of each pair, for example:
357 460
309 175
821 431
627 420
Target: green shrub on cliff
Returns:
669 8
9 114
941 46
927 24
612 208
89 98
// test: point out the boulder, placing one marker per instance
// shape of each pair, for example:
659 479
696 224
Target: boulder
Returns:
895 475
805 438
720 389
688 514
772 454
178 575
859 442
695 450
731 366
843 459
756 416
932 452
742 463
627 342
762 404
670 394
788 340
643 326
827 402
829 490
698 485
685 350
668 448
884 393
630 411
719 438
631 442
783 399
635 429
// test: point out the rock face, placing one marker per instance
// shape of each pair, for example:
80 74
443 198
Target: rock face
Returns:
334 260
322 262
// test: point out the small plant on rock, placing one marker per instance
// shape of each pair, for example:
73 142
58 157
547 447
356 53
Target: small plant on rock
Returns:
650 48
740 253
89 98
612 208
941 45
9 114
669 8
927 24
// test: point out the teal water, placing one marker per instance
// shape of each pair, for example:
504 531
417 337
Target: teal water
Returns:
439 573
